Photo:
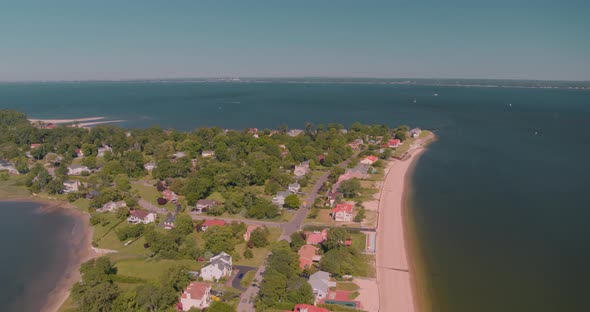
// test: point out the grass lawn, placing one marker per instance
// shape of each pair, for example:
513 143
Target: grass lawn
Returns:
247 279
259 253
152 269
346 286
68 306
365 266
150 194
359 241
13 188
100 230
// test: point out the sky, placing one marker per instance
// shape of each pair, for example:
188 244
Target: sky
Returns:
87 40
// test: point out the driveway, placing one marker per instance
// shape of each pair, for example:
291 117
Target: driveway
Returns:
241 271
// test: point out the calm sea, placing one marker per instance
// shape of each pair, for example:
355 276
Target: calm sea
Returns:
501 199
35 254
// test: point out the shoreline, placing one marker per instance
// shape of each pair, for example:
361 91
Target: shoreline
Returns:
62 121
396 257
80 249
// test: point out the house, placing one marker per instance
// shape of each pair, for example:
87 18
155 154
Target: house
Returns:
356 144
294 187
8 166
78 153
341 297
294 132
208 153
102 150
301 307
50 126
301 169
415 132
71 186
77 169
169 195
320 284
112 206
92 194
316 237
249 231
140 216
342 213
369 160
279 199
178 155
150 166
169 221
219 266
307 256
196 295
209 223
203 205
394 143
332 197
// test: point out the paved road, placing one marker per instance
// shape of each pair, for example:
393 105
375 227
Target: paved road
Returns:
241 272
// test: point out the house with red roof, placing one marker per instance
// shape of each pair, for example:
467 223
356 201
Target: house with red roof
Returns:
301 307
169 195
196 295
209 223
342 213
141 216
394 143
369 160
307 256
78 152
316 237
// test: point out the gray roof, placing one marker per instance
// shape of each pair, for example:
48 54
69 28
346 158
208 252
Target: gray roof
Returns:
170 218
283 194
321 280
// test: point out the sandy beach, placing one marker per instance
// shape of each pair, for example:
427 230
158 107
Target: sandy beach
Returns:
394 269
87 124
62 121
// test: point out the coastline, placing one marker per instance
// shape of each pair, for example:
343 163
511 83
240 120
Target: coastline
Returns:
397 259
80 241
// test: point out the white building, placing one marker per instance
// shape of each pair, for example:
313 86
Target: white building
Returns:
77 169
208 153
279 199
219 266
8 166
140 216
196 295
112 206
103 150
71 186
294 187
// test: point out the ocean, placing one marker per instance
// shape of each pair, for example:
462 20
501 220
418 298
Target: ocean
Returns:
35 254
499 200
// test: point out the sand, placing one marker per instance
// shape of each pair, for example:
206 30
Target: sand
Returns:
87 124
393 271
61 121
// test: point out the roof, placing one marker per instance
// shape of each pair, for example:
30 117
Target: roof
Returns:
213 223
206 202
309 308
76 166
307 251
342 208
320 280
294 185
141 214
170 218
195 290
394 141
371 158
283 194
316 237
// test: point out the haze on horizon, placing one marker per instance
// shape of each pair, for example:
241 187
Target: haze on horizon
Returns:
117 40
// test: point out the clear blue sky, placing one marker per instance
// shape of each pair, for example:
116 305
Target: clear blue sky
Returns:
77 40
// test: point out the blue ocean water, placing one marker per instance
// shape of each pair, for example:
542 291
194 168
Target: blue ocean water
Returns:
500 200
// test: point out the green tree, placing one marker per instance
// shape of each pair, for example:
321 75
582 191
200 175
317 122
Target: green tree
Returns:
89 161
292 201
248 253
350 188
218 239
297 241
183 224
122 183
218 306
259 237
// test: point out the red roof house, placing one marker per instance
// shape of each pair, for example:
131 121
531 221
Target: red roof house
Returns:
196 295
369 160
394 143
210 223
342 212
35 145
314 238
169 195
307 256
79 153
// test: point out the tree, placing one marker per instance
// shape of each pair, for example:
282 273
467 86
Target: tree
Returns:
183 224
292 201
122 183
350 188
248 253
54 187
89 161
218 306
336 238
297 241
218 239
271 187
360 216
259 237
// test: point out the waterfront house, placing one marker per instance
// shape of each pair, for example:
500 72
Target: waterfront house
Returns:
394 143
112 206
249 231
208 153
294 132
169 221
316 237
342 213
140 216
294 187
77 169
320 284
196 295
92 194
415 132
209 223
369 160
203 205
219 266
71 186
307 256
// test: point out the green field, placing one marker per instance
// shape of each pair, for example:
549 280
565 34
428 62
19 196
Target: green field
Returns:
13 188
152 269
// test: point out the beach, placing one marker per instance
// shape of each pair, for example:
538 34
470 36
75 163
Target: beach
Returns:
62 121
395 273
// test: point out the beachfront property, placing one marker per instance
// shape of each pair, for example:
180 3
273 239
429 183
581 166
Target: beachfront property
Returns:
77 169
112 206
369 160
316 237
196 295
71 186
209 223
219 266
320 284
203 205
308 254
102 150
249 231
279 199
294 132
301 307
394 143
208 153
169 221
342 213
414 133
301 169
140 216
150 166
294 188
8 166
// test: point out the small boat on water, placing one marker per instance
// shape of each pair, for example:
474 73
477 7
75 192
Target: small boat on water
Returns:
436 94
414 101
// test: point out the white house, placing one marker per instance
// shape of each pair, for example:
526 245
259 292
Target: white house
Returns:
294 132
196 295
294 187
301 169
71 186
203 205
102 150
342 213
77 169
415 132
219 266
279 199
150 166
208 153
140 216
112 206
320 284
8 166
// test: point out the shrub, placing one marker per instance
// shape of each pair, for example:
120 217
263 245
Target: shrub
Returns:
162 201
248 253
